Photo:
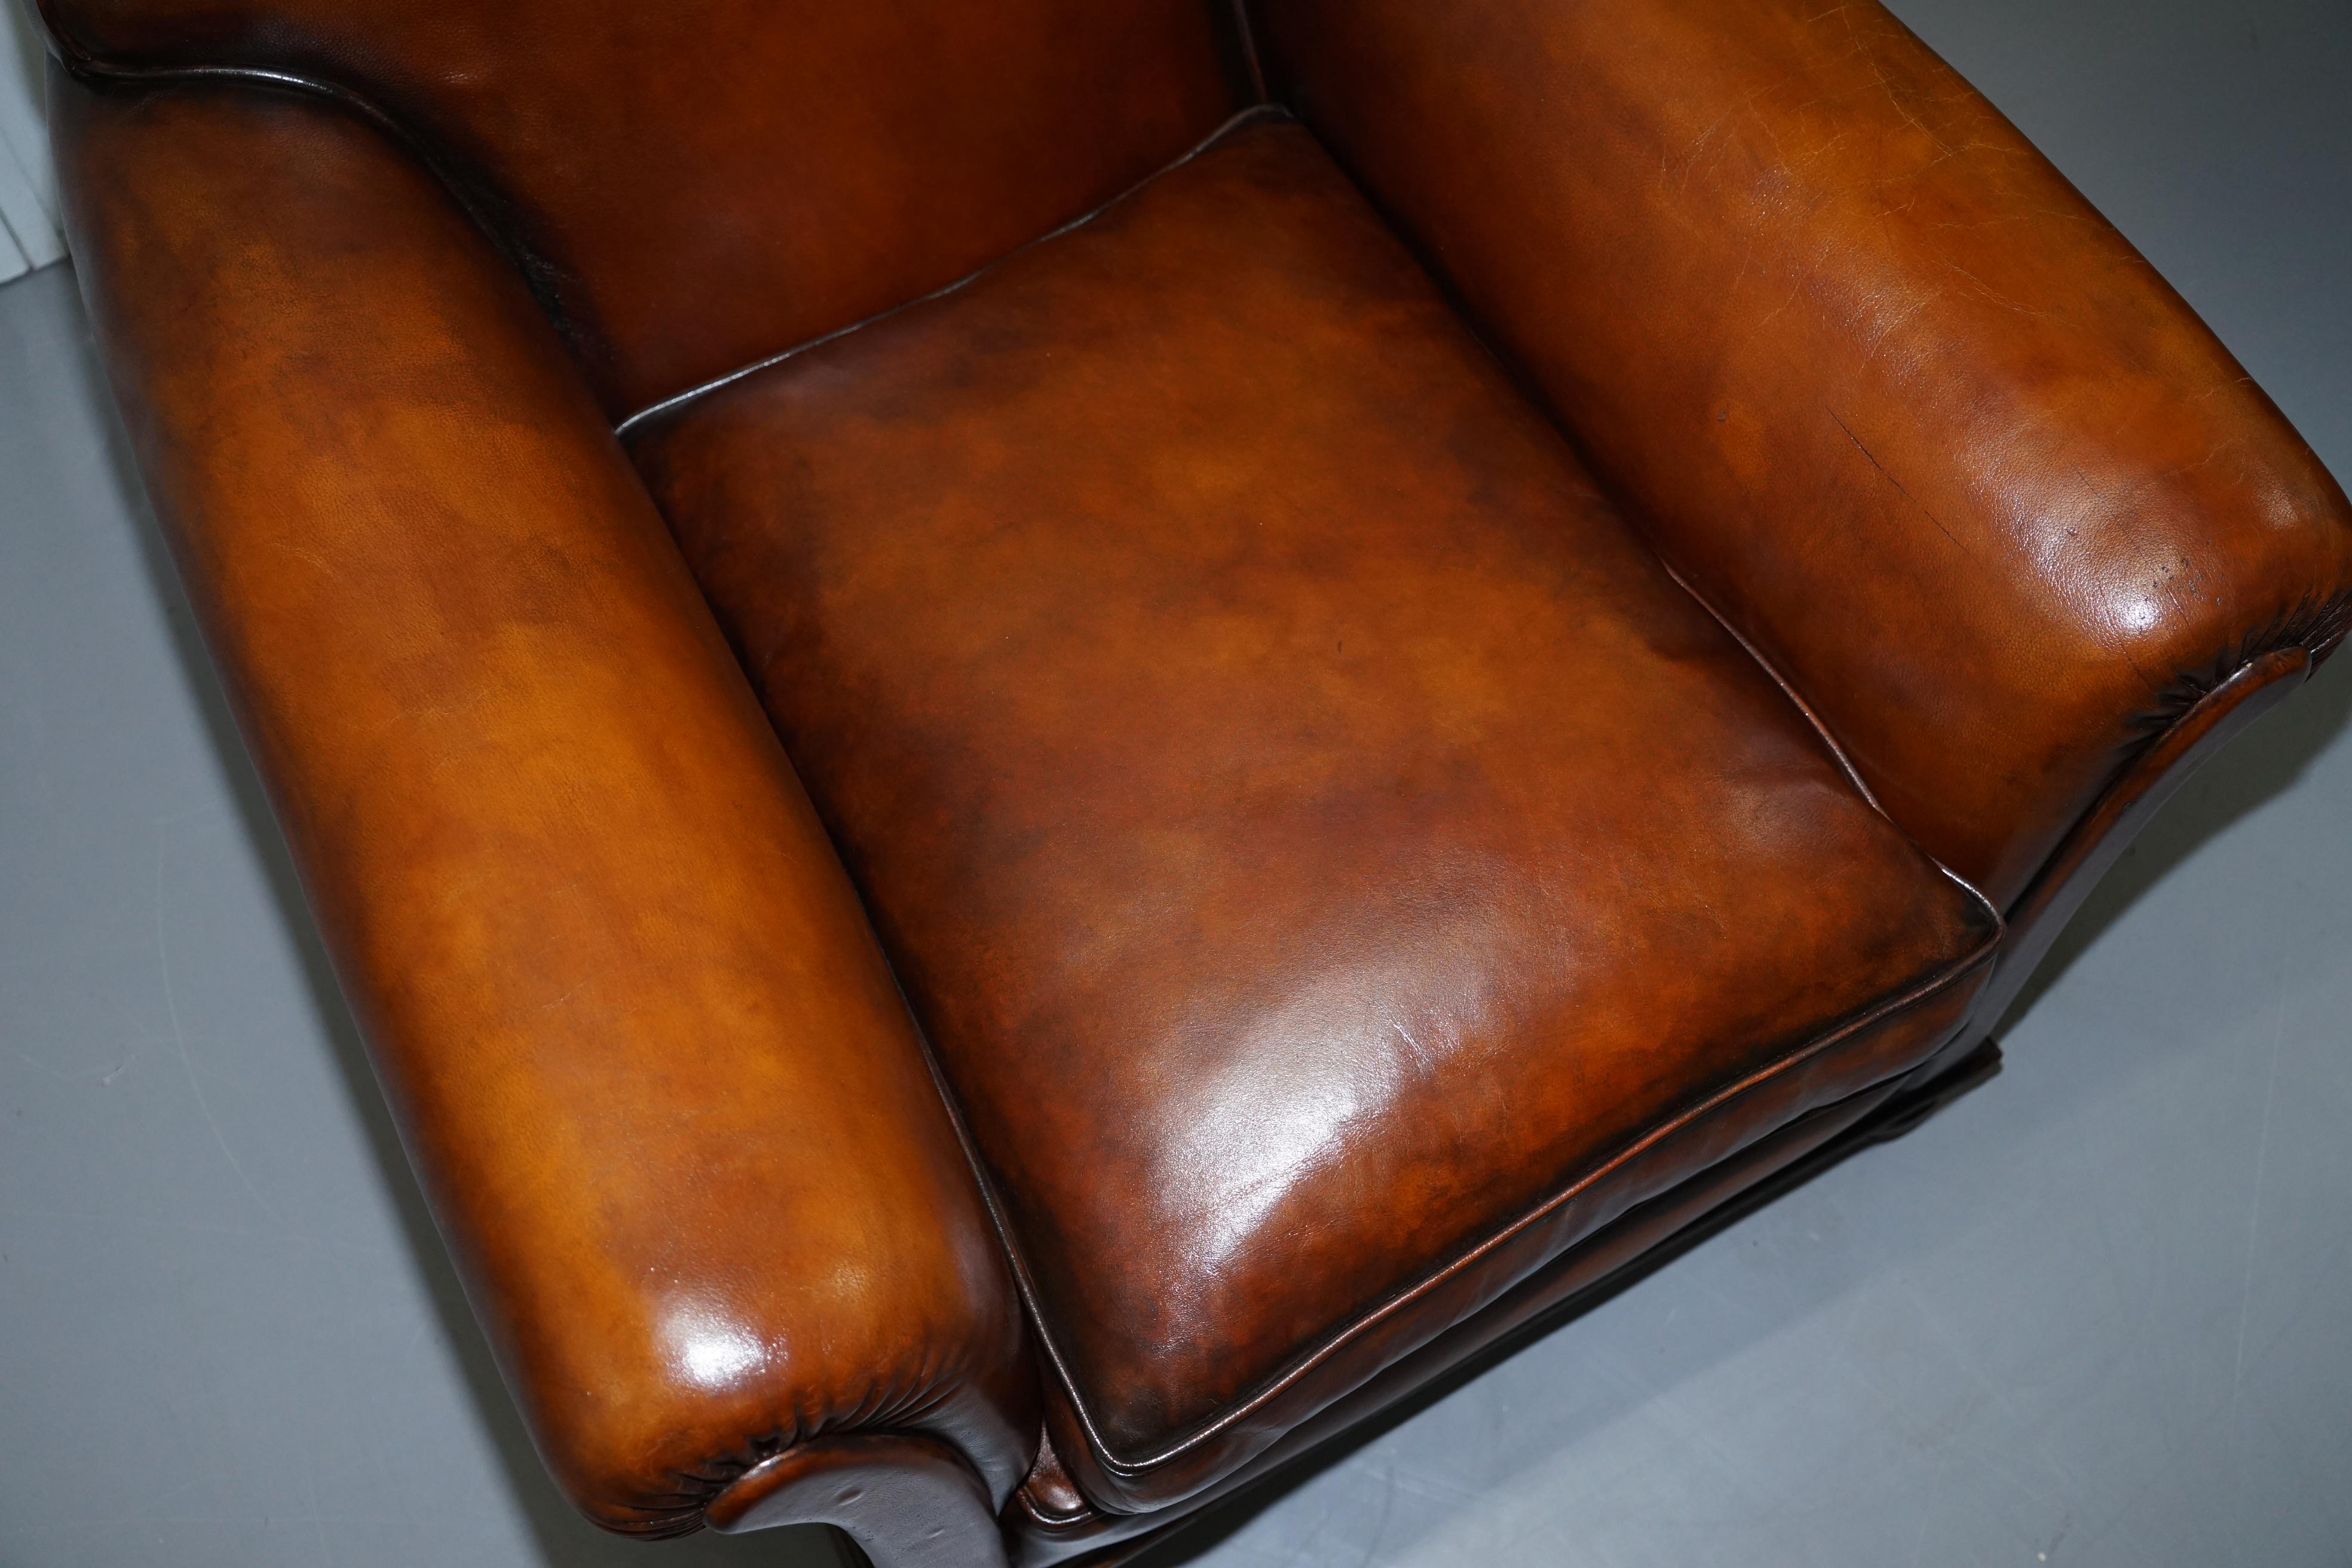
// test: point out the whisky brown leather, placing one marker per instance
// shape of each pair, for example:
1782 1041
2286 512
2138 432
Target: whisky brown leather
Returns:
1354 891
664 1096
1049 1522
1875 377
1336 866
695 184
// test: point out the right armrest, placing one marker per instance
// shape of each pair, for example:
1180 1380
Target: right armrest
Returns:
663 1094
1883 388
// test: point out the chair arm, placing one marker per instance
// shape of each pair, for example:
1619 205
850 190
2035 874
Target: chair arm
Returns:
654 1073
1884 388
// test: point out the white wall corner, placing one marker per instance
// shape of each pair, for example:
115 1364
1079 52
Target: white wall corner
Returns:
29 233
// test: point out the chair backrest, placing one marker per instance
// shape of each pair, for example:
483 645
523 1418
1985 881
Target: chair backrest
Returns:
693 185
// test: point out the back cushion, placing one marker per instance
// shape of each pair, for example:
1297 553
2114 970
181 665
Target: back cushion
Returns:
698 183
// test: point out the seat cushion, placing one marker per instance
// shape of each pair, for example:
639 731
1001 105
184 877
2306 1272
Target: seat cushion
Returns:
1335 864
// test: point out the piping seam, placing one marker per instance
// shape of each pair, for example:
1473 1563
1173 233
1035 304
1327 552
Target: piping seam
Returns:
1978 959
1844 762
1232 125
537 274
1245 32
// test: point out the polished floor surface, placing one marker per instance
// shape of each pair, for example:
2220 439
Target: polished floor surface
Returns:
2100 1311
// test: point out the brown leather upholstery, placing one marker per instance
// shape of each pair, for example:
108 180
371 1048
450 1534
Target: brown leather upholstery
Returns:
1350 893
1279 778
1051 1523
660 1087
693 185
1892 396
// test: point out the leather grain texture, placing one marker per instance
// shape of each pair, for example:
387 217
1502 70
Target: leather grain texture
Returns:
666 1099
1336 865
698 184
1871 375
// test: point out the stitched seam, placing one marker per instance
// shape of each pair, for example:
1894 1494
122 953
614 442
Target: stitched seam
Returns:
1232 124
1664 1128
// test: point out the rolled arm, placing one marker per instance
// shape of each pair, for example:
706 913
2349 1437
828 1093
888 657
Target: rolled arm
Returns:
660 1088
1885 390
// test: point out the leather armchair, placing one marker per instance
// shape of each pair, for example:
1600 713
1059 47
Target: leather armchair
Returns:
1046 744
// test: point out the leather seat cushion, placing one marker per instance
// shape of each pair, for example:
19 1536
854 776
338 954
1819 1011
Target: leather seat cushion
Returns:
1335 864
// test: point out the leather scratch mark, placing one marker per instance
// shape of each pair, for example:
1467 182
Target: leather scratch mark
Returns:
1891 479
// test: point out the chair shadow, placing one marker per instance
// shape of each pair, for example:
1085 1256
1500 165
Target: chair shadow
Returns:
2261 765
564 1538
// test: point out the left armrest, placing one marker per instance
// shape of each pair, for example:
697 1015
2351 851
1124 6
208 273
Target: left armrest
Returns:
1883 386
656 1079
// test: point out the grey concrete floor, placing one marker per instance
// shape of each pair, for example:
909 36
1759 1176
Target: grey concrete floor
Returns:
2100 1311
